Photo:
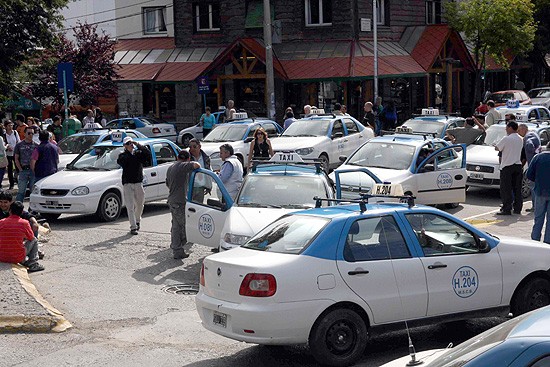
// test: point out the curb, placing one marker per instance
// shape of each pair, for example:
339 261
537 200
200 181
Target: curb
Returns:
53 321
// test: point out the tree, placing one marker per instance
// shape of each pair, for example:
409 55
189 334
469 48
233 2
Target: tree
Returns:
494 28
94 69
24 27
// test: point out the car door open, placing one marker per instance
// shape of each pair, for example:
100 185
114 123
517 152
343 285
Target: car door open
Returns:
351 183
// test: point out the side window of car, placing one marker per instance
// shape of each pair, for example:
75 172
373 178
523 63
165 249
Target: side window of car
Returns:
439 236
544 137
351 126
164 153
544 115
271 130
337 129
132 135
205 188
252 131
375 239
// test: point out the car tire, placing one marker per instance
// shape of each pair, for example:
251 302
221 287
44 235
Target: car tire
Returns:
109 207
534 294
50 217
525 190
338 338
452 205
185 140
325 163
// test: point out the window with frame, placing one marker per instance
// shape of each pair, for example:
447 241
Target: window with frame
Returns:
433 12
382 12
338 128
351 126
154 20
318 12
207 17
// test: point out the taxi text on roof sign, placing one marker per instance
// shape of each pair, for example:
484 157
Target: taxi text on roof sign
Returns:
240 115
318 111
117 136
430 111
512 103
292 157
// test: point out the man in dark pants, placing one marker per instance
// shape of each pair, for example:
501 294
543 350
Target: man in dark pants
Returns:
510 170
177 180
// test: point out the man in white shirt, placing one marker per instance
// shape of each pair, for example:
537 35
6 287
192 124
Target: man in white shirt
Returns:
89 121
492 116
510 170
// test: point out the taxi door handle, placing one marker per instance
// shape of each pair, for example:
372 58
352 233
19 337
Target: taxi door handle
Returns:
435 266
458 177
357 272
153 174
192 210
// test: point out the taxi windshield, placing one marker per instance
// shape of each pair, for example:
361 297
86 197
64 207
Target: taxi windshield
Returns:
76 144
425 126
390 155
278 191
307 128
288 235
495 133
227 133
97 159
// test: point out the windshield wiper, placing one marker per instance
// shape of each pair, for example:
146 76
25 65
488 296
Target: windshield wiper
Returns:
90 168
258 205
298 206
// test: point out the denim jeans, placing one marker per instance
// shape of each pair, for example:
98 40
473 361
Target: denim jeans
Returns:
531 185
26 179
541 211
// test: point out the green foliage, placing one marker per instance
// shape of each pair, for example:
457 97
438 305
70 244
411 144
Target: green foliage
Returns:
542 17
494 27
24 27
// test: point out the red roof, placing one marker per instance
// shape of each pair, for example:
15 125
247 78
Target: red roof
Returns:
181 71
135 72
387 65
429 45
145 44
331 67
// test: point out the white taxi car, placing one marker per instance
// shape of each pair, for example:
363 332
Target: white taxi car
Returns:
272 189
482 162
331 277
430 122
323 137
525 113
92 183
428 168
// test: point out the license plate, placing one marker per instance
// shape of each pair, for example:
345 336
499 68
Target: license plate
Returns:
52 202
220 319
476 176
387 189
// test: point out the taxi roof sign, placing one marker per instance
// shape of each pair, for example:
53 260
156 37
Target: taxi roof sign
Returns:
240 115
430 111
286 157
317 111
117 136
512 103
403 130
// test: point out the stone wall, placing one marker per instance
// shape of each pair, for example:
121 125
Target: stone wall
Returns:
188 105
130 98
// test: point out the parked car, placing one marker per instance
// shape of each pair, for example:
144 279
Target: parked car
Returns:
501 97
432 123
526 113
521 342
540 96
195 131
148 126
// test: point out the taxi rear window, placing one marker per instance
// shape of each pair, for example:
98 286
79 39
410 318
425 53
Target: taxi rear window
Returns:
290 234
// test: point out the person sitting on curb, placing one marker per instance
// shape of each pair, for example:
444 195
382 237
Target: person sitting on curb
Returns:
13 248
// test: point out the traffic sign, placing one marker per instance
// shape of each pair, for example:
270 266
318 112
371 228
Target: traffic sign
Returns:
68 80
203 84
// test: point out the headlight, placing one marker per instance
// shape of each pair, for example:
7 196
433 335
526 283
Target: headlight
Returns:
80 190
35 190
235 239
304 151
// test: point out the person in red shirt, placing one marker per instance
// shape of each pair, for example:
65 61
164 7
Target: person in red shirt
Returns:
13 248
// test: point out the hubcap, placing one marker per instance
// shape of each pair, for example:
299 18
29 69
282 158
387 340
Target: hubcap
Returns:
111 207
340 337
539 299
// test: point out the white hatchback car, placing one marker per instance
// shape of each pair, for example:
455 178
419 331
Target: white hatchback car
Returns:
323 137
333 277
92 183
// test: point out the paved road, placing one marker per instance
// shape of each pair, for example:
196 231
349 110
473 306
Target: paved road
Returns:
110 286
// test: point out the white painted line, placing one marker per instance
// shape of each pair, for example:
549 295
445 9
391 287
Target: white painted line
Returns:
489 212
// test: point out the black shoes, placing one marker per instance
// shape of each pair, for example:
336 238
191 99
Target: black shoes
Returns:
181 256
517 212
134 231
137 224
34 268
504 213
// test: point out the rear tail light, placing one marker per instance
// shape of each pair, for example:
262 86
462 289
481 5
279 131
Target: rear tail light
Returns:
156 130
258 285
201 281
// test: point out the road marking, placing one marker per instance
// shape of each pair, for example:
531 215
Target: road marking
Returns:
486 213
482 223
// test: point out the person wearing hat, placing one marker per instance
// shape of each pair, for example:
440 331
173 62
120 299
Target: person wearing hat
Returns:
132 160
177 180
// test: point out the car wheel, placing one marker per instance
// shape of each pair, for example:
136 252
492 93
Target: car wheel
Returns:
525 190
109 207
324 162
338 338
50 216
452 205
532 295
185 140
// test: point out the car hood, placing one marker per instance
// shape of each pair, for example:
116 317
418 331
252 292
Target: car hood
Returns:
298 142
71 179
426 357
210 148
191 129
248 221
482 154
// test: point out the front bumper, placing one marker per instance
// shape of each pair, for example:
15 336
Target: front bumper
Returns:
68 204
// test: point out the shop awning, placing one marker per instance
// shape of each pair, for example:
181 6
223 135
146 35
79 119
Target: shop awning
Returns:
139 72
181 71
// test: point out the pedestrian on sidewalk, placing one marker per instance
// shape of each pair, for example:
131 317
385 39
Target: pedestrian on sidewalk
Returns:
531 146
132 160
369 118
23 155
539 173
207 122
56 128
177 180
510 170
18 243
21 125
11 138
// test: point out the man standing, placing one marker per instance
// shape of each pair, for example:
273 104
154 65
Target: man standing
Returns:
368 119
492 116
228 112
21 125
377 110
132 161
510 170
56 129
14 230
45 157
23 155
539 172
177 180
231 172
531 146
89 121
307 110
202 183
11 138
337 109
467 134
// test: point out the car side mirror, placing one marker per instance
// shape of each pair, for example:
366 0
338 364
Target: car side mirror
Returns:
342 158
249 139
216 204
428 168
482 245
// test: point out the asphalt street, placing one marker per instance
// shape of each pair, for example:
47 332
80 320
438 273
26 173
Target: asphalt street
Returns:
115 289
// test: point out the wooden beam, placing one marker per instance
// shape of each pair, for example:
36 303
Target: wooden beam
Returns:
252 66
240 76
237 65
